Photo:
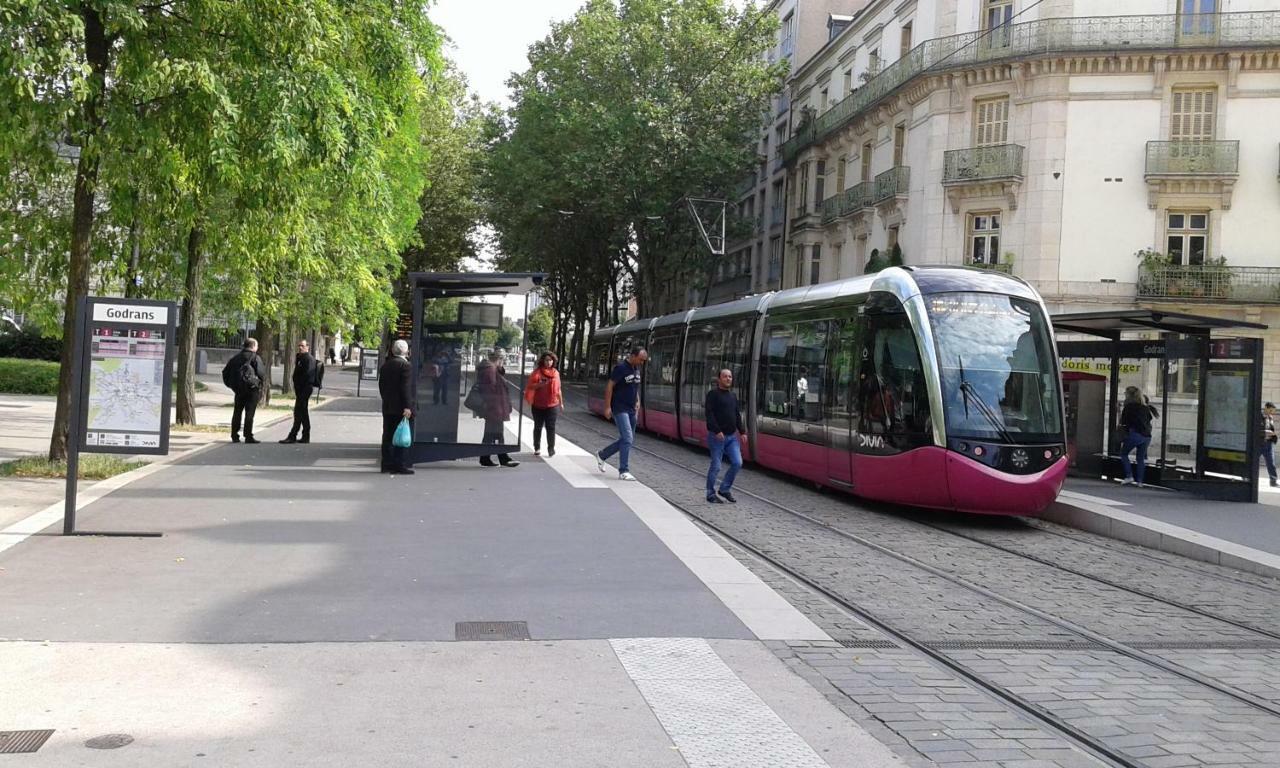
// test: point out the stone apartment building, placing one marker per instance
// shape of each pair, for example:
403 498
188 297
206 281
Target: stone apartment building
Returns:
1054 141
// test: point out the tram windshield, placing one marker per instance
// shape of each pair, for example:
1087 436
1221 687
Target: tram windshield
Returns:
999 375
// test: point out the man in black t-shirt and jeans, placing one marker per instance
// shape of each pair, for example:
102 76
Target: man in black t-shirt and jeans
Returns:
621 401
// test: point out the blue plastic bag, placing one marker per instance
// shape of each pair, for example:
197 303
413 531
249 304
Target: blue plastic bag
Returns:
403 438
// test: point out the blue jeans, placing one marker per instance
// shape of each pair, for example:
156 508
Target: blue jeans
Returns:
626 421
1131 441
1269 456
719 447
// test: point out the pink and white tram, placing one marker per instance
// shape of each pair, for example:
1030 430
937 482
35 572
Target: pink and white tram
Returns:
929 386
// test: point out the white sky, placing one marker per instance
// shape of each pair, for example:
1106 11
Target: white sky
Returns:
491 38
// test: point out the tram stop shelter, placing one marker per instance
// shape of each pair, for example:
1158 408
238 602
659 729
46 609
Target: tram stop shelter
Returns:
456 321
1206 389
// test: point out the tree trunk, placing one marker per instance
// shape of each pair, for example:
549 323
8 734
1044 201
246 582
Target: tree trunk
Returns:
190 324
97 55
287 344
132 289
266 350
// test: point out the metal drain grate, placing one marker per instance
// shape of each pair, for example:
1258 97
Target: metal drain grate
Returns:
21 742
491 630
868 643
1016 645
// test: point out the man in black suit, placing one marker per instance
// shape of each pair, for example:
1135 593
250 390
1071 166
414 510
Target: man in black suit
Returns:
395 386
305 369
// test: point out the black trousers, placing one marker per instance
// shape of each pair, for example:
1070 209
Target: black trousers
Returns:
493 436
246 405
544 417
301 416
393 457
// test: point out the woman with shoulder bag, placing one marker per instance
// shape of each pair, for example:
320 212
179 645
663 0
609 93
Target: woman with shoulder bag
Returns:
497 407
542 393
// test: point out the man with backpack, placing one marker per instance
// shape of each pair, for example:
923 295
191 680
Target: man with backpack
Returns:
245 374
307 376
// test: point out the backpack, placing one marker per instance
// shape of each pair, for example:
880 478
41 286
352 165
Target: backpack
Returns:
317 375
248 378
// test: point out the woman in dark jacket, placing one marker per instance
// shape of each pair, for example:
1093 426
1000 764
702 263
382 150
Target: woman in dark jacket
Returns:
1135 420
497 407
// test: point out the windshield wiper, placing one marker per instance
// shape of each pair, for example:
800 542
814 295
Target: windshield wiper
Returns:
970 393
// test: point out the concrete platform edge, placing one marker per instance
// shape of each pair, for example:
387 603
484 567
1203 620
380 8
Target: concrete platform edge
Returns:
1154 534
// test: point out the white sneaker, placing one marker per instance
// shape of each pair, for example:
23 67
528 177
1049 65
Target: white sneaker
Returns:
600 465
626 476
1126 481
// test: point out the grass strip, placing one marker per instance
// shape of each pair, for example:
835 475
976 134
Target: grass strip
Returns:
93 466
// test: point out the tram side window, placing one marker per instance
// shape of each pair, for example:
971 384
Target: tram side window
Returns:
600 360
695 371
841 405
892 395
735 349
810 361
660 374
776 386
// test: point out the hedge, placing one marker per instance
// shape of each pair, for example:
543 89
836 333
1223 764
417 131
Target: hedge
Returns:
28 377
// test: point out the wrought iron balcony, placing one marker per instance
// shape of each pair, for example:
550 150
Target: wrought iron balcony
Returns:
1103 34
1001 161
857 197
1211 282
1193 158
1004 269
892 183
830 208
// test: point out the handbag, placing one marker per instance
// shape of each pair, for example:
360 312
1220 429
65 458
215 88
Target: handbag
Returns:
403 437
475 399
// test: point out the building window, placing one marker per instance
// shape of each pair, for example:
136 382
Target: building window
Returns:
1197 18
873 63
840 164
891 241
1193 114
802 191
815 265
848 81
1188 237
998 19
991 122
866 162
799 266
775 260
899 144
906 38
984 238
823 100
820 176
788 29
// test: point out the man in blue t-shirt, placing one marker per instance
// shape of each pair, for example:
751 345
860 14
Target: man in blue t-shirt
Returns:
621 399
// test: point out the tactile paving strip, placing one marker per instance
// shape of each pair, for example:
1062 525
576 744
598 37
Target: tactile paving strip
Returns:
22 742
715 720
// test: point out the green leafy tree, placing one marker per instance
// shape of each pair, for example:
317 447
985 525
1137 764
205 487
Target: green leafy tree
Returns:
538 328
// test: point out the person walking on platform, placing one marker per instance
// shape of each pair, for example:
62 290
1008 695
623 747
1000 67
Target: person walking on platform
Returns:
306 374
621 401
1268 447
542 393
1135 420
724 425
497 406
397 403
245 374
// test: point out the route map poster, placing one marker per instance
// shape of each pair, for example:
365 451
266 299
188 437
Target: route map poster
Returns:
128 365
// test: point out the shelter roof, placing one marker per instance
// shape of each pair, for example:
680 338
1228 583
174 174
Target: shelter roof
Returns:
1111 324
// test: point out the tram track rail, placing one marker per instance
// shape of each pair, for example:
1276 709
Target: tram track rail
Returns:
929 649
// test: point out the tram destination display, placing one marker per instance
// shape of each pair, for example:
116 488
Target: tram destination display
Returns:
127 365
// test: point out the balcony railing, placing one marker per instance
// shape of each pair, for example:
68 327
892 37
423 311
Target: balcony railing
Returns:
1211 282
1001 161
1004 269
1109 34
892 183
857 197
1193 158
830 208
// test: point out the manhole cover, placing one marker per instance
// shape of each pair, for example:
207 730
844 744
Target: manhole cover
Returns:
19 742
109 741
491 630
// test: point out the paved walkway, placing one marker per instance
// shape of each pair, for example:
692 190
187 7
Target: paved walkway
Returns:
303 609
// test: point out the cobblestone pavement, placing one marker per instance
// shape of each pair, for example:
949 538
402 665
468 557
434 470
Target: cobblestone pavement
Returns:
931 716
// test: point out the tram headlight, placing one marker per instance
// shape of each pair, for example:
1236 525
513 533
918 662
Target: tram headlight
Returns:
1020 459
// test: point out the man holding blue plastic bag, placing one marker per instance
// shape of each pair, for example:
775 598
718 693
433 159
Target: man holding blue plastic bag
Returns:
394 384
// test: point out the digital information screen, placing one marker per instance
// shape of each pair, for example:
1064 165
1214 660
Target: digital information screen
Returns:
126 375
473 314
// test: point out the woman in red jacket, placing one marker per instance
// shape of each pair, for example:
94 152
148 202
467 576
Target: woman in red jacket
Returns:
542 393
